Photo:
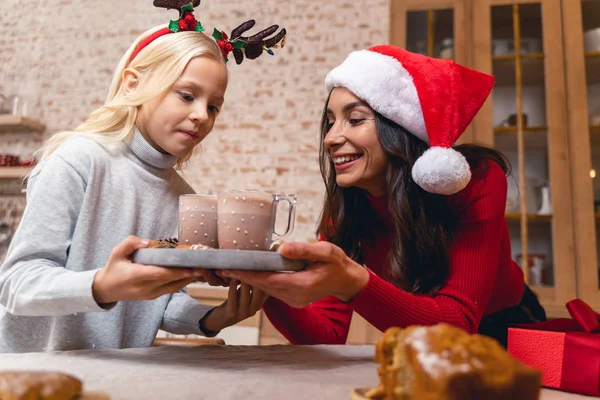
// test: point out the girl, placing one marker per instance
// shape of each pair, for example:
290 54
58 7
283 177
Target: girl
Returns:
68 281
426 220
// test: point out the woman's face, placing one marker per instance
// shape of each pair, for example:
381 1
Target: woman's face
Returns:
353 144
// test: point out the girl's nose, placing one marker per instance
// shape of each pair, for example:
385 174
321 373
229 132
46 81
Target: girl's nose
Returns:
199 114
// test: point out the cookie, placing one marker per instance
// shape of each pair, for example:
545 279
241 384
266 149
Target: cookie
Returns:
39 385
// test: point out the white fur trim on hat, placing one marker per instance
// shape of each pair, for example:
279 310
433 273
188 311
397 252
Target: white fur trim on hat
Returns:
441 170
385 85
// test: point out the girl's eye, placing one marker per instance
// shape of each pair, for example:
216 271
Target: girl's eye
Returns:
213 109
187 97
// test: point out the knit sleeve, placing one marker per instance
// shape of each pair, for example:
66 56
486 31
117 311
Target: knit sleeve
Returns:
326 321
183 314
474 260
33 278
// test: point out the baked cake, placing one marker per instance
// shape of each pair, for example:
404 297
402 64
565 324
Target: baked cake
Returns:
443 362
39 386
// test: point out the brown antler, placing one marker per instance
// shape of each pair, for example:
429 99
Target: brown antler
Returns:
176 4
256 44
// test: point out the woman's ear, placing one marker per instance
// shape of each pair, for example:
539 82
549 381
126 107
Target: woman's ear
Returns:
130 80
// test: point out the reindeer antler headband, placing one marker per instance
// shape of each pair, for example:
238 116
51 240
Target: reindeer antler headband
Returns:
252 47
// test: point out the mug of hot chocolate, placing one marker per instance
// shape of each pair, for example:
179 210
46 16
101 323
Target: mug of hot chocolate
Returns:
246 219
198 219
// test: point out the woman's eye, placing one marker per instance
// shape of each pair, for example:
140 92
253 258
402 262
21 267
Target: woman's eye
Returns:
213 109
187 97
328 126
355 121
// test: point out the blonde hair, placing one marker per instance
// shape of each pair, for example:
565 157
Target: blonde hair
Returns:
160 64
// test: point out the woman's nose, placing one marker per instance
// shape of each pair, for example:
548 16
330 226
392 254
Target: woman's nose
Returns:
334 137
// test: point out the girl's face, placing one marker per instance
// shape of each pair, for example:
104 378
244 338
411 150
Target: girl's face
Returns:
353 144
184 115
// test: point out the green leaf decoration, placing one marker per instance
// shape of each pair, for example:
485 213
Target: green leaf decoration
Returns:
174 26
199 27
226 60
217 35
238 44
187 8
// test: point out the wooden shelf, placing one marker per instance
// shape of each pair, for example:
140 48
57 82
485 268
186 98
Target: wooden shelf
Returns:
535 138
13 172
203 292
532 67
530 217
12 123
513 129
528 56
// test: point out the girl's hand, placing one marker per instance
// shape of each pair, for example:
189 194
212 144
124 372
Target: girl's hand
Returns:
209 276
331 273
241 303
123 280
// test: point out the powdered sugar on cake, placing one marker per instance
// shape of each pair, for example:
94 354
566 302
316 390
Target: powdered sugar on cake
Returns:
437 364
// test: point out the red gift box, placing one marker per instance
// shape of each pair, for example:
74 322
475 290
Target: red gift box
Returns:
567 351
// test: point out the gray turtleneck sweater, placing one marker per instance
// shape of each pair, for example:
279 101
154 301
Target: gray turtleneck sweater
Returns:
82 201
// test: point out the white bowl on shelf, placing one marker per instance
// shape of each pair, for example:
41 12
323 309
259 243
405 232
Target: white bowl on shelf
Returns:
591 40
530 45
503 47
595 120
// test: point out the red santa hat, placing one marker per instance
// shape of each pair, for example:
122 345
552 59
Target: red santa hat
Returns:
433 99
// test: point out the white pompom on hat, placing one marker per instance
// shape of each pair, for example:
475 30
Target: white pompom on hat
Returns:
433 99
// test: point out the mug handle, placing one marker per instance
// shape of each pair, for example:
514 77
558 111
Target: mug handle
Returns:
291 199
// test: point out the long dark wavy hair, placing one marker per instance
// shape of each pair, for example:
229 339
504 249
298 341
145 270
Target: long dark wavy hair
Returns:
422 222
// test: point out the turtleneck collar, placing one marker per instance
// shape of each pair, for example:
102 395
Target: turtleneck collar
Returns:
148 154
381 205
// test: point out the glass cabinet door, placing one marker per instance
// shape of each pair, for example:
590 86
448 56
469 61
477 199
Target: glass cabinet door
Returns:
433 28
525 119
582 65
431 32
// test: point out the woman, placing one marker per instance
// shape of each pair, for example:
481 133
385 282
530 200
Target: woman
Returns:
426 220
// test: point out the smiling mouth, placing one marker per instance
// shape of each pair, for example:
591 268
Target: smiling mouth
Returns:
347 159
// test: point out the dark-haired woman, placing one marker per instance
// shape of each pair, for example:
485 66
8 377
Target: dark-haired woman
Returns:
412 230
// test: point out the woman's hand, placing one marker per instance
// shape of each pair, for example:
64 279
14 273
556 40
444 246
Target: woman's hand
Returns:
123 280
331 273
241 303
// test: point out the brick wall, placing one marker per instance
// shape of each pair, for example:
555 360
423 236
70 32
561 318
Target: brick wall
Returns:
62 53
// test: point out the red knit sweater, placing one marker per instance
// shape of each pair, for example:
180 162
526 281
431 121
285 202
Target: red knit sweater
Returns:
482 277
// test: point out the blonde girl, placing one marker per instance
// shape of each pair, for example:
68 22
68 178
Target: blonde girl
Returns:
100 192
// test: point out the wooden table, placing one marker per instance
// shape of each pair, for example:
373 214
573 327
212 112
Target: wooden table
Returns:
215 372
